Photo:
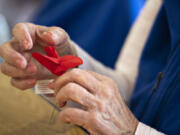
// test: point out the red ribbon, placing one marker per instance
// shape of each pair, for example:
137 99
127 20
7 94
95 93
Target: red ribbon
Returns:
57 65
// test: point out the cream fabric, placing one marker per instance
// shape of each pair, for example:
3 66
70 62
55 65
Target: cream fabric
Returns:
143 129
135 42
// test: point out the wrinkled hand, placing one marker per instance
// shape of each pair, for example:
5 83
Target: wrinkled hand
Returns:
28 38
104 111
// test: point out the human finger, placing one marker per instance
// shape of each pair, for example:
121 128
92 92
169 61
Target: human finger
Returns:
52 35
81 77
24 33
75 93
75 116
11 56
23 83
13 71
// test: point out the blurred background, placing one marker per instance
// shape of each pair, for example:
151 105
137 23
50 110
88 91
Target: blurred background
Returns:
14 11
98 26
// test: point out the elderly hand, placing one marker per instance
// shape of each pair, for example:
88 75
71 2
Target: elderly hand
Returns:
104 111
28 38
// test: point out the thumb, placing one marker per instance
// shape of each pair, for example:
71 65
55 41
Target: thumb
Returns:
52 36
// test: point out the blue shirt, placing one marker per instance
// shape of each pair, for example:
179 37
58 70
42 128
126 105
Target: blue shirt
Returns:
156 98
98 26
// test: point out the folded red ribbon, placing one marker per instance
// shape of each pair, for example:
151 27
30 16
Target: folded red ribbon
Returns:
57 65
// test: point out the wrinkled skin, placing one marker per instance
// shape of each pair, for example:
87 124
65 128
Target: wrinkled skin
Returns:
28 38
103 110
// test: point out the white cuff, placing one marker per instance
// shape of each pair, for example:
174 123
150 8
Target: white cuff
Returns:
143 129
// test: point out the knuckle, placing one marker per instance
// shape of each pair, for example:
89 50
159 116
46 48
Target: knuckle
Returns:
107 91
62 32
94 119
100 105
70 88
75 72
70 91
66 91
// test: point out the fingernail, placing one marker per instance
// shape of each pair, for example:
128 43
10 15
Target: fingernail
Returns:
22 63
49 36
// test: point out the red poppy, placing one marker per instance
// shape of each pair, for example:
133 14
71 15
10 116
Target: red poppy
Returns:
57 65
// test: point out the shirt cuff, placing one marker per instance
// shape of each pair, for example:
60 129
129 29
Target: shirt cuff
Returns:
143 129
